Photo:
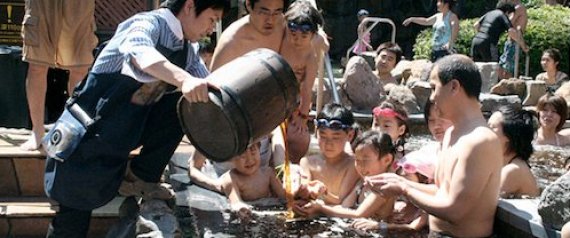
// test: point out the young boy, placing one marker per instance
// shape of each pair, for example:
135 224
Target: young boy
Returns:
332 166
248 181
297 48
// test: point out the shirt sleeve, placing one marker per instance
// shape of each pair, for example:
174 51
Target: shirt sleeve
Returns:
139 45
506 22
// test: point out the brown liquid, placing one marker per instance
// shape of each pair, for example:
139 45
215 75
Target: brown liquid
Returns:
287 174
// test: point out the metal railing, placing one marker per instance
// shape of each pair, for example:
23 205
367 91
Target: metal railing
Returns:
375 21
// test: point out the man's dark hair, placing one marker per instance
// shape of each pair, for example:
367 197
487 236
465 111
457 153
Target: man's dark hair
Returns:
392 48
518 127
285 4
200 5
462 69
506 7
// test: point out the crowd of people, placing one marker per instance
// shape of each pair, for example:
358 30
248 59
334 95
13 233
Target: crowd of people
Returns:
127 101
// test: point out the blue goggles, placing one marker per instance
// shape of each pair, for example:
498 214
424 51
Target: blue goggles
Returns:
332 124
304 28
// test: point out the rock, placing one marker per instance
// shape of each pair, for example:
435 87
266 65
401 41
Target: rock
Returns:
534 90
128 214
419 70
492 102
405 96
422 91
327 93
554 205
156 217
361 86
511 86
403 70
564 91
488 71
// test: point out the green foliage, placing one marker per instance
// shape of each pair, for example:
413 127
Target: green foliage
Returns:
548 27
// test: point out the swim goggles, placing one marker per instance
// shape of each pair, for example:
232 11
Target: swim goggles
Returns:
304 28
332 124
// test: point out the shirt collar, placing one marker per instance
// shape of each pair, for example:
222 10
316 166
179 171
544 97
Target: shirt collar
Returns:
172 22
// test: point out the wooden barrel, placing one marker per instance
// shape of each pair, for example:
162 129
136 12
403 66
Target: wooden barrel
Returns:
257 92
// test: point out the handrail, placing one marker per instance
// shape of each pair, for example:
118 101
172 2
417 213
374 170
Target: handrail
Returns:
375 21
332 83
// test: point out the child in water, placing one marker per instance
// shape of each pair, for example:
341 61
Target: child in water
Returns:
374 153
247 181
332 165
391 118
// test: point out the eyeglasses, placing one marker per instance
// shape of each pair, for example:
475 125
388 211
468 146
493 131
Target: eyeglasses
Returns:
332 124
269 13
304 28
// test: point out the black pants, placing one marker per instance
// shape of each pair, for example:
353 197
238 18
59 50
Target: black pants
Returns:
69 222
484 51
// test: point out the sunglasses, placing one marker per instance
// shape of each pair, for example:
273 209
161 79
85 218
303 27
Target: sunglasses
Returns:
332 124
304 28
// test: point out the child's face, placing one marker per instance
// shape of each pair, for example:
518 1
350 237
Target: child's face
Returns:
437 125
332 142
389 125
299 36
368 162
549 118
547 63
385 61
249 161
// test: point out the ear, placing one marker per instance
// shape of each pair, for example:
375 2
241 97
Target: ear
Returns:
189 5
351 135
401 130
387 160
455 86
248 6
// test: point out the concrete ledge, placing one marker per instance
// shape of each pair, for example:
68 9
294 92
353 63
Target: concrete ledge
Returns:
521 218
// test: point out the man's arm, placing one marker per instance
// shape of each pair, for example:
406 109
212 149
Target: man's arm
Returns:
471 174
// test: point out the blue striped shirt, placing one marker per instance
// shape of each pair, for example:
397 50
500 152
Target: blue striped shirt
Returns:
137 37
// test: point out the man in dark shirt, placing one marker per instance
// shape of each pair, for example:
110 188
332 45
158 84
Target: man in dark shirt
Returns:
489 29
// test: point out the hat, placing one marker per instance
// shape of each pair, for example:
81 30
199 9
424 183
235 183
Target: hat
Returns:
421 161
362 12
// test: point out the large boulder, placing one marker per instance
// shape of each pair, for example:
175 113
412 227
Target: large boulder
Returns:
534 90
554 205
362 87
422 91
488 71
492 102
419 71
511 86
405 96
403 70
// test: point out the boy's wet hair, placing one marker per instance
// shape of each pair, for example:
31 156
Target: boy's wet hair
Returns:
518 127
559 105
462 69
199 5
381 142
301 12
335 111
392 48
554 54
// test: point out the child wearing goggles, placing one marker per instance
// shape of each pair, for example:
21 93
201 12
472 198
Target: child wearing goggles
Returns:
333 166
297 48
374 154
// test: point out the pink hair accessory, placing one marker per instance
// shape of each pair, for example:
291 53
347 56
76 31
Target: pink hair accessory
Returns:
387 112
419 162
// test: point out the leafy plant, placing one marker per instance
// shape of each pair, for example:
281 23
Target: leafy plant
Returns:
548 27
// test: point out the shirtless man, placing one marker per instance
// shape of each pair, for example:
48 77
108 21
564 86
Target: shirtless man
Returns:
262 28
463 200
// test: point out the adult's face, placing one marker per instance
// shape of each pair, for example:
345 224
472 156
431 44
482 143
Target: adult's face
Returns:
266 15
385 61
196 27
548 63
549 118
440 94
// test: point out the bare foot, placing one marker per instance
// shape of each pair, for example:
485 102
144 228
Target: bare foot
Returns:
33 143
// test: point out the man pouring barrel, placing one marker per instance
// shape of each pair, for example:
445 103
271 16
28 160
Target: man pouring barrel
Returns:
128 101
